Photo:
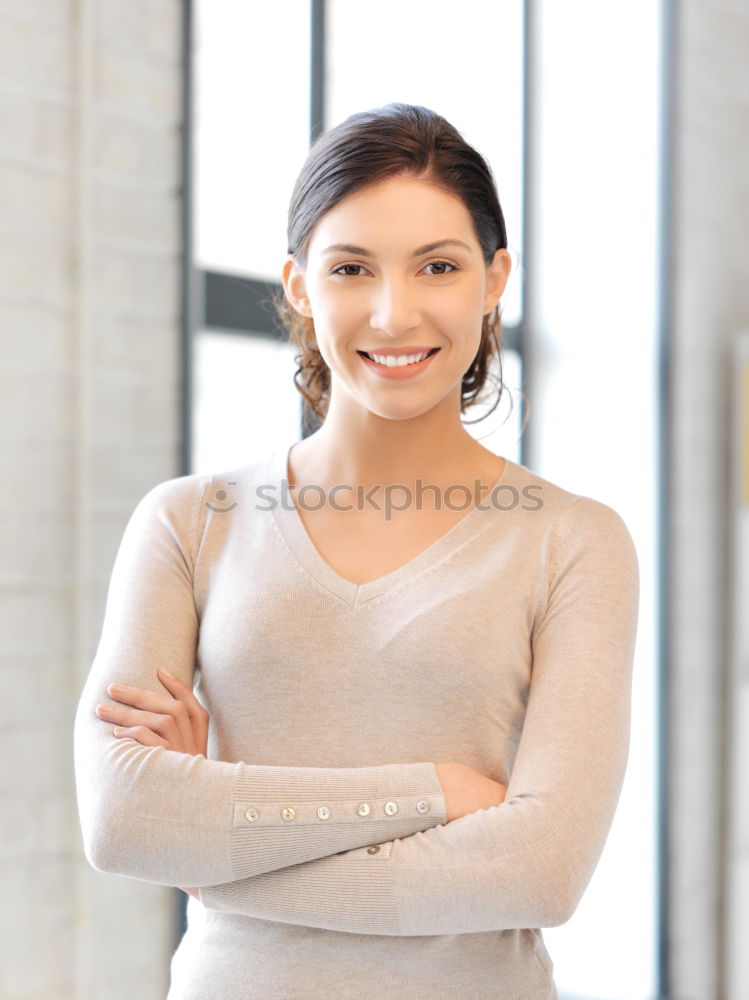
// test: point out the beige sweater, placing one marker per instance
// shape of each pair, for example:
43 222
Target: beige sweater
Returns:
316 827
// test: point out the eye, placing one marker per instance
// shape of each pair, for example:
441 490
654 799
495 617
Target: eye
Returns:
341 267
441 263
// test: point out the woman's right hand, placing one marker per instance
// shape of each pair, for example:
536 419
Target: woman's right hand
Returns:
467 791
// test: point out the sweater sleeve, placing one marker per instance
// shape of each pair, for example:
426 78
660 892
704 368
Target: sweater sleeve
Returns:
527 862
178 819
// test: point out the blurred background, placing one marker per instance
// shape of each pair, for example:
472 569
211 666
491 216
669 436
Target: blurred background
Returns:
148 149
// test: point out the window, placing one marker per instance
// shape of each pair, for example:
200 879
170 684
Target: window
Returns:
255 83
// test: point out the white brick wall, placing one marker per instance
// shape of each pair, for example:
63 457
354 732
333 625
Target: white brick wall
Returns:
89 272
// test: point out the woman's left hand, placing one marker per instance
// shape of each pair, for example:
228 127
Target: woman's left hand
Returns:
176 721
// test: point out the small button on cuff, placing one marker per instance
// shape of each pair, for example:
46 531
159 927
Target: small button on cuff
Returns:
423 805
252 814
391 808
363 809
288 813
323 812
373 850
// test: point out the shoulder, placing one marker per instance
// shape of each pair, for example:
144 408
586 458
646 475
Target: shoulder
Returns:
595 559
190 510
577 523
196 491
172 497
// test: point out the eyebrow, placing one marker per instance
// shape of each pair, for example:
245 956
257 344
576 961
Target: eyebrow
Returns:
350 248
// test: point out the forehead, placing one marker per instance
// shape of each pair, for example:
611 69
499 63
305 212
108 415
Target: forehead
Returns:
399 213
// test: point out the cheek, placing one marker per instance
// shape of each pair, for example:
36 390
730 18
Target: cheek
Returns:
462 307
334 314
335 334
461 322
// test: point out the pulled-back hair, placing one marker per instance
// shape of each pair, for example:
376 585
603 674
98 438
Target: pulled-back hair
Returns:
366 148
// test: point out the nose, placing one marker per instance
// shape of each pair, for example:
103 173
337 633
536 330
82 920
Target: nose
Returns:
395 308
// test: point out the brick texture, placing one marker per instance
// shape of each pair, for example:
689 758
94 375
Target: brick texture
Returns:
89 313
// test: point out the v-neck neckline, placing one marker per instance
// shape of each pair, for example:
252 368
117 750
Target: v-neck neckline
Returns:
354 594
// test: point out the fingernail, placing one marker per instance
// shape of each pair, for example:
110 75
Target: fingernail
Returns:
118 731
167 674
118 687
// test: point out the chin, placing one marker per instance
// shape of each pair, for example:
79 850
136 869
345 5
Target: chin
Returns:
404 412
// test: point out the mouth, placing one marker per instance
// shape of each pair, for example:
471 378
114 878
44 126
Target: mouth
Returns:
400 360
398 367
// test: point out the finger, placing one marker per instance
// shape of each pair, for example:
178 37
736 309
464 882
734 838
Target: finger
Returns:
141 735
160 704
194 725
184 693
149 701
198 715
164 725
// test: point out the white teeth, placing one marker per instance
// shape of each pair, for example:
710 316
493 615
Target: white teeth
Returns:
391 361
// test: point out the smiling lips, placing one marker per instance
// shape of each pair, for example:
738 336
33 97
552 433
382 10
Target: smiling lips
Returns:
399 355
399 362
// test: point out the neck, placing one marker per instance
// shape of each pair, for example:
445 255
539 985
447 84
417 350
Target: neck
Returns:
361 447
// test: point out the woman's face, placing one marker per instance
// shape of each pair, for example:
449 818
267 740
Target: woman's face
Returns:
377 284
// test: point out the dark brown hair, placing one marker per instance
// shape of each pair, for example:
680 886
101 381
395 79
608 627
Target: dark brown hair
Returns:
366 148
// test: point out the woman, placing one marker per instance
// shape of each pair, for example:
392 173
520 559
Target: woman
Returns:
415 655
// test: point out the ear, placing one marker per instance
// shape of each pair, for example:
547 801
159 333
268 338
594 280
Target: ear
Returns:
497 274
295 287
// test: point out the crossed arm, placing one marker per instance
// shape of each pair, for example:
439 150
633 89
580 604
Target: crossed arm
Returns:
154 807
177 721
174 817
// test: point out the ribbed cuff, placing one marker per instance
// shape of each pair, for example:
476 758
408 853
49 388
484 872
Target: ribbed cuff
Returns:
282 818
351 892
